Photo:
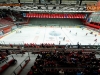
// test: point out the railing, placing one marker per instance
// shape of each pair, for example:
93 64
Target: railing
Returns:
54 1
15 47
4 61
18 70
34 51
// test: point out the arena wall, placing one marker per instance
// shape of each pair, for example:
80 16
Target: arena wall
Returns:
56 22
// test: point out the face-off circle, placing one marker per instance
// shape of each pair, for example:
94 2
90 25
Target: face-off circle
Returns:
55 33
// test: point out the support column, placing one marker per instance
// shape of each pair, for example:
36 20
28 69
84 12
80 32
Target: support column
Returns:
8 1
57 1
80 2
60 1
49 1
77 2
39 1
18 1
34 1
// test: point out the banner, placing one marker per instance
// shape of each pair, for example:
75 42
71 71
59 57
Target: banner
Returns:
92 8
10 4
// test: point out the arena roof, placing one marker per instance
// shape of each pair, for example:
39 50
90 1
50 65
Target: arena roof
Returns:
28 5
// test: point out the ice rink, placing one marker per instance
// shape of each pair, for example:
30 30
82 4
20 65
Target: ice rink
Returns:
54 35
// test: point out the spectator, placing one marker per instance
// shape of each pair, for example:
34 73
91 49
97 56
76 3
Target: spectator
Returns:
30 73
33 68
41 67
7 52
61 72
11 45
21 50
36 72
0 51
99 71
79 73
2 56
38 56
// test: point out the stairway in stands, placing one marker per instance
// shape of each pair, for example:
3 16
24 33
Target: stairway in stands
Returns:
29 65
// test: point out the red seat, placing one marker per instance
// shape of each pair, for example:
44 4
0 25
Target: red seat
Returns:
62 15
31 15
27 15
49 15
69 15
38 16
46 15
83 16
35 15
41 15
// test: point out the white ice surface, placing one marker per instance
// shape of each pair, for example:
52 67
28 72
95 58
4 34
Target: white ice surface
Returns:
40 35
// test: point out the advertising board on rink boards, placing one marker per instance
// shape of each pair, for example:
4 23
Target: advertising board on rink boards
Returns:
10 4
93 8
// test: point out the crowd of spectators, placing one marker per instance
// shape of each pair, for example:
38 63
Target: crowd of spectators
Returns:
66 63
45 45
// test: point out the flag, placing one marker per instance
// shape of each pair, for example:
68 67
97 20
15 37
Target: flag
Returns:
89 19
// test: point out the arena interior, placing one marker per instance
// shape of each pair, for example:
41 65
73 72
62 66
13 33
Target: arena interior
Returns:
49 37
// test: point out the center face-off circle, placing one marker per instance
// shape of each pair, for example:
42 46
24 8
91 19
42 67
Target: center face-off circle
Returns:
55 33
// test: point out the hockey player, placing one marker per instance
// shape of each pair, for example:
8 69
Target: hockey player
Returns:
95 35
95 40
76 33
63 38
59 42
86 33
82 28
16 31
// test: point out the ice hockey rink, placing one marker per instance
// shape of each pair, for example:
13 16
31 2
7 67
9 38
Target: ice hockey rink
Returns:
54 35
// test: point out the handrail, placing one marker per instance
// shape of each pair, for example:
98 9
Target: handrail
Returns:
41 71
22 62
18 67
5 60
15 46
51 49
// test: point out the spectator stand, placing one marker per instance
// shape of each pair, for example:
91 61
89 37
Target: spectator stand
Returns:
18 70
69 63
6 63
